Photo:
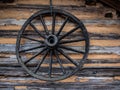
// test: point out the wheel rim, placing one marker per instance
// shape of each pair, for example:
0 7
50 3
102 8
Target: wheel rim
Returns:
46 53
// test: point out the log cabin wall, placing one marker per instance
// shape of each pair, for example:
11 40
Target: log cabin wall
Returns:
100 72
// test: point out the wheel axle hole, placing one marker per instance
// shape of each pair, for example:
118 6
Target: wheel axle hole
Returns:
51 40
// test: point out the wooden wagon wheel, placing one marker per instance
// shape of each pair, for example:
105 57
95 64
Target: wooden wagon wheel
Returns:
49 50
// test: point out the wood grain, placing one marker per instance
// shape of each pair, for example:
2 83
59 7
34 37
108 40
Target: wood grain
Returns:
101 70
92 42
80 12
55 2
98 29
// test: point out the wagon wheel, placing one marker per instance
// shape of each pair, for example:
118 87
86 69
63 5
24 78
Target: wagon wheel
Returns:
52 46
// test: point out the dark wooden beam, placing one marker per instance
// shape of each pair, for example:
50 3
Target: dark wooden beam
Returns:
7 1
90 2
113 3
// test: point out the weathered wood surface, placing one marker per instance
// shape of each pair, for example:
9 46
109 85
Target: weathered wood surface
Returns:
102 68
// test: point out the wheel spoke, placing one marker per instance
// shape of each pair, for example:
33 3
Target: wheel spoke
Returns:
66 56
71 49
72 41
31 48
61 28
53 23
36 30
35 55
32 39
44 25
50 64
41 61
60 63
71 31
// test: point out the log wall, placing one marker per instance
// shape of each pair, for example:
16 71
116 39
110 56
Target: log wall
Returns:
100 72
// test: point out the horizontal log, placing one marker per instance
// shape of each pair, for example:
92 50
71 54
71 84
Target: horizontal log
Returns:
97 72
102 61
91 65
29 80
20 87
7 41
103 29
12 61
67 86
103 56
86 22
86 65
64 87
7 88
114 65
9 48
75 82
94 35
90 56
105 43
95 32
55 2
76 86
98 29
117 77
101 43
80 12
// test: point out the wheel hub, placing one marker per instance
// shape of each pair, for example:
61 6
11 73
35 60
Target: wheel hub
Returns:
51 40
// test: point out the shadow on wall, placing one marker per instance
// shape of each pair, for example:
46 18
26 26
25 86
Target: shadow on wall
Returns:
7 1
